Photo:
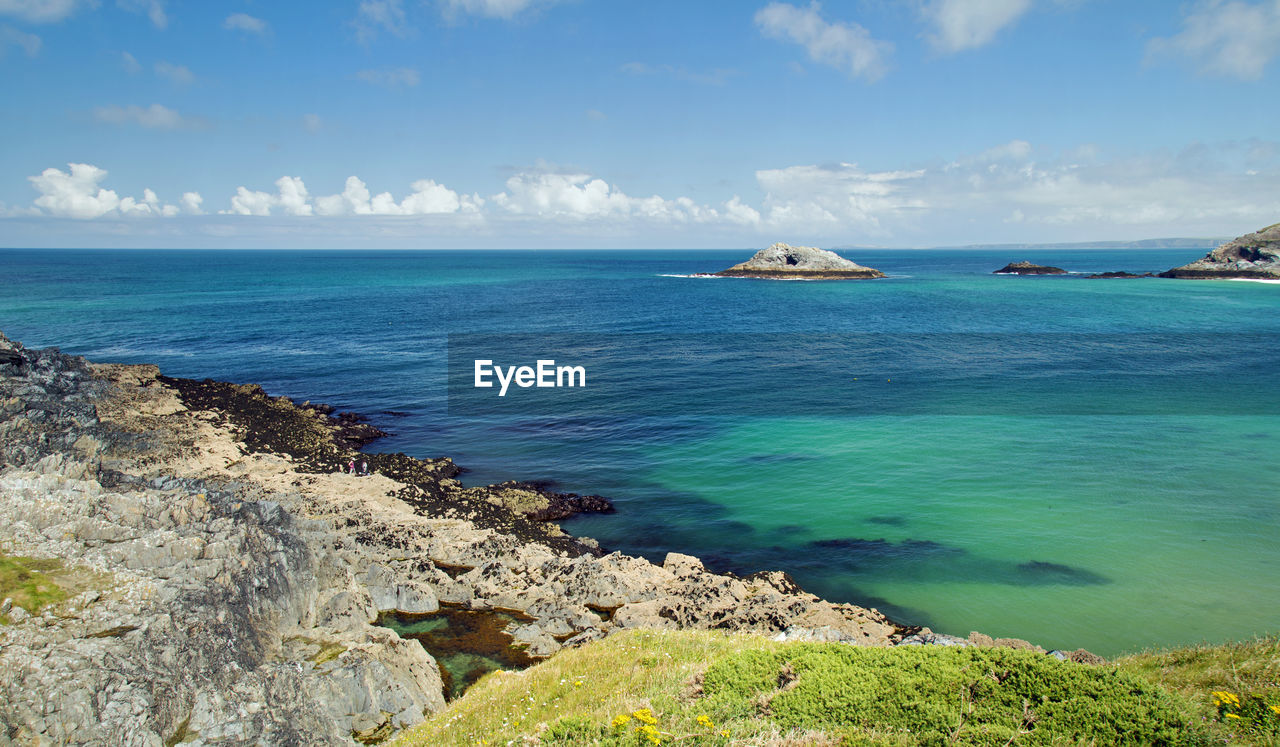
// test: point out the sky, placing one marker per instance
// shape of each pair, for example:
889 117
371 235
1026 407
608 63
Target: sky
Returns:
612 124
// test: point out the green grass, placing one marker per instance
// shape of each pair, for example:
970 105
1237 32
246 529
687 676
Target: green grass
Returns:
718 689
31 583
583 689
36 583
1194 673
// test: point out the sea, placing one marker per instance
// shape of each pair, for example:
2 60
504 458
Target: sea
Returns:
1076 462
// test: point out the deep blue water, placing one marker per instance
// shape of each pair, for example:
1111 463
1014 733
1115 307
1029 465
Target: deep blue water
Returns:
1097 523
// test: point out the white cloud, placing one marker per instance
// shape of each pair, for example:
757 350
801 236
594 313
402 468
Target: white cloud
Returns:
292 198
154 117
966 24
574 195
737 211
191 202
246 23
394 77
28 43
41 11
130 63
840 194
153 8
177 74
76 193
581 197
1011 191
247 202
505 9
1078 195
293 195
844 46
1232 39
595 115
375 15
312 122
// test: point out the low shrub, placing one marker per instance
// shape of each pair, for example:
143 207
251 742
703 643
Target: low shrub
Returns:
929 695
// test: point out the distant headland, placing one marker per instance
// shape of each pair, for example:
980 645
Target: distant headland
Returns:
1254 256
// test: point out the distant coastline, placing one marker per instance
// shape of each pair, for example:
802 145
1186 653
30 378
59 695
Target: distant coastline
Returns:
1167 243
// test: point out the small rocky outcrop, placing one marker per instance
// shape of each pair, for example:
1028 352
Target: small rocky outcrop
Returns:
1255 256
1027 268
786 262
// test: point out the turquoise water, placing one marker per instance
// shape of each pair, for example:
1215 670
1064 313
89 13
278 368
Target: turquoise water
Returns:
1107 531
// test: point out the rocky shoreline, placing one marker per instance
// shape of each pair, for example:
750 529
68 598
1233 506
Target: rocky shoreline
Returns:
236 576
1253 256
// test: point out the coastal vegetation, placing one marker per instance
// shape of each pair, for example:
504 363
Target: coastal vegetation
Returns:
698 687
29 584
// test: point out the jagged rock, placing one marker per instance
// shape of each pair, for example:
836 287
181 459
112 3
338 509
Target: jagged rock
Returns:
926 637
1254 256
785 262
1027 268
1079 656
683 565
986 641
824 634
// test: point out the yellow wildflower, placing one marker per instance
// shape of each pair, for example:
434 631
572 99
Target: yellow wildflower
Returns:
645 715
577 683
724 733
1276 709
705 722
620 720
649 733
1232 715
1222 697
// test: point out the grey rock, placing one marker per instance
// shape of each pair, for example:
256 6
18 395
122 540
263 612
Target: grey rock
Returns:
1254 256
927 637
785 262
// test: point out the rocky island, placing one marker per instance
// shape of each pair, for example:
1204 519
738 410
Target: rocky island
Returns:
1254 256
1027 268
785 262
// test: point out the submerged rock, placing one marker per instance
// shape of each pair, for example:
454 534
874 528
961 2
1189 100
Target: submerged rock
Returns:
1254 256
786 262
1027 268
